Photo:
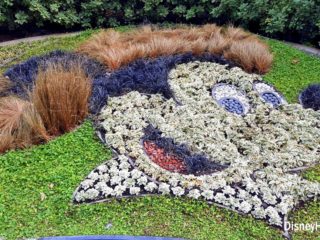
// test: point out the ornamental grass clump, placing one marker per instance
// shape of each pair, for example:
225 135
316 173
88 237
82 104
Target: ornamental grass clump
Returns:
61 96
310 97
20 124
235 33
11 110
218 44
250 55
31 129
6 142
4 84
116 49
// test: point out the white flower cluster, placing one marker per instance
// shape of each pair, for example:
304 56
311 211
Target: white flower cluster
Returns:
260 147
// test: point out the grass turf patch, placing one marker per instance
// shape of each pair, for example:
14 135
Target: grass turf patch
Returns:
36 184
292 70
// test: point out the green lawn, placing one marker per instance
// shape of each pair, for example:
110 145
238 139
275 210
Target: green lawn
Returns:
36 185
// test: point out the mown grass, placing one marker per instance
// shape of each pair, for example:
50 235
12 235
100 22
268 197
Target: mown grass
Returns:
22 51
36 185
292 70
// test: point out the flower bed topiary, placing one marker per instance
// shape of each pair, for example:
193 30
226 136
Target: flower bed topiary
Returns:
192 121
245 160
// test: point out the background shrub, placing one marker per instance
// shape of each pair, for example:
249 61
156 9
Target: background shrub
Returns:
297 20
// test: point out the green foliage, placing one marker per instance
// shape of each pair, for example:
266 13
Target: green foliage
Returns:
15 53
274 18
297 19
36 185
292 70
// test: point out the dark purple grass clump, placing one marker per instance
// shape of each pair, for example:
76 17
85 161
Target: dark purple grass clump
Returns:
196 164
145 76
24 74
310 97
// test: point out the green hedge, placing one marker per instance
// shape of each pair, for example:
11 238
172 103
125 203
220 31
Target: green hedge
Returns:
289 19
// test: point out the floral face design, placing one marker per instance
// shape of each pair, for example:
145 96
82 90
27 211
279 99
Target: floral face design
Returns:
225 136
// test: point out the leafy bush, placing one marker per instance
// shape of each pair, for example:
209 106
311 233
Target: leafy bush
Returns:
294 20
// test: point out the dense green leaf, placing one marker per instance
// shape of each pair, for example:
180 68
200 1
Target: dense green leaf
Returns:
294 20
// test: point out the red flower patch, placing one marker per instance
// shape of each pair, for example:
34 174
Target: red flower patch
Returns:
163 159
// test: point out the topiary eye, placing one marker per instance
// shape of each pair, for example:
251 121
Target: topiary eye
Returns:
231 99
269 94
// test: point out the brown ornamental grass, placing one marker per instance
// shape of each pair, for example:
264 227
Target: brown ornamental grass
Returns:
61 97
116 49
6 142
58 103
4 84
250 55
20 124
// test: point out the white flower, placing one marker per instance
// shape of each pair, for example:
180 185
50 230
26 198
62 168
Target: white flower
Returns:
207 194
129 182
80 196
229 190
269 198
219 197
233 202
100 185
124 165
112 163
115 180
123 158
243 194
220 183
124 174
194 193
245 207
134 190
102 168
177 191
250 185
255 201
135 173
114 171
259 212
107 191
150 187
173 181
164 188
91 194
94 176
119 190
87 183
274 217
283 207
142 180
104 177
